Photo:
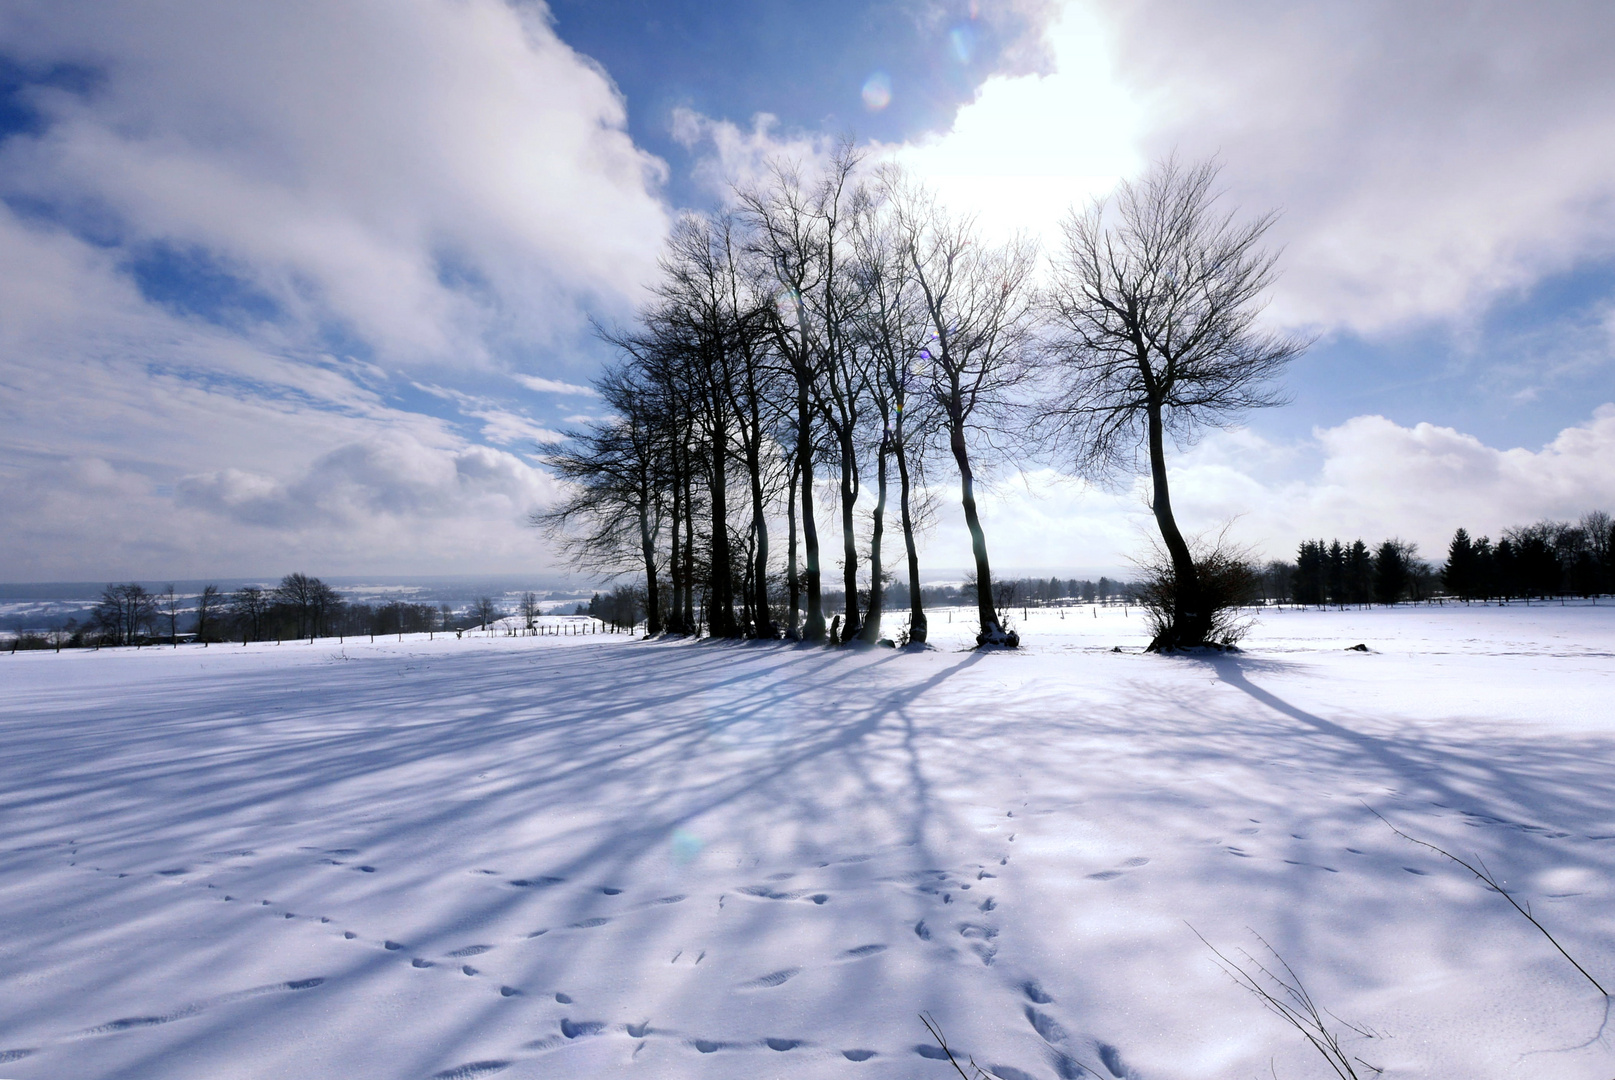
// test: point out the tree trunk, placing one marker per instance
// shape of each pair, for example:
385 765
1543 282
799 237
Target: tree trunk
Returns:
992 631
849 538
721 617
793 584
917 628
871 630
647 547
1191 623
690 625
675 564
763 618
814 629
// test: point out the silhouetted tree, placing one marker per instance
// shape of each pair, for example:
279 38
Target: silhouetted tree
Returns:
1155 301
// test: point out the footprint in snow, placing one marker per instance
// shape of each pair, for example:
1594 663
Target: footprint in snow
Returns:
509 991
782 1045
857 1055
579 1029
707 1046
922 931
610 890
934 1053
1105 875
862 951
637 1031
1047 1026
470 950
536 883
588 924
564 999
676 898
421 962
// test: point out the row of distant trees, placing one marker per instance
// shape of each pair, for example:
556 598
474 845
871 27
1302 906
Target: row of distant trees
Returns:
1545 559
300 606
845 324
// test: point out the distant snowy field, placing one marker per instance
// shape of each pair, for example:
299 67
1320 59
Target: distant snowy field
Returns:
595 857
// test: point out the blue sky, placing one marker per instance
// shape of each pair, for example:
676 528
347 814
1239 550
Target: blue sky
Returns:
312 283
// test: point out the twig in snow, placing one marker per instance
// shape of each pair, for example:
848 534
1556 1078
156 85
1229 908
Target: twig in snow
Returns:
1295 1005
936 1033
1490 882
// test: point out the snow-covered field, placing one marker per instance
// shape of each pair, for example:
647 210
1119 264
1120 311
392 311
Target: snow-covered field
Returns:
589 856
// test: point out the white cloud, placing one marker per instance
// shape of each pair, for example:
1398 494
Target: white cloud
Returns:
1367 478
433 174
438 185
1428 159
555 386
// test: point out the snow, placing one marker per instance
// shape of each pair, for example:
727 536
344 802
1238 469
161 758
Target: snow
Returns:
587 856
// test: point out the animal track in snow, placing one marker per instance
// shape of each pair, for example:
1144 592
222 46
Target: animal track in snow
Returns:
1035 993
857 1055
391 946
763 892
1105 875
782 1045
1046 1026
421 962
537 883
1010 1072
922 931
471 950
14 1055
864 950
676 898
772 979
509 991
611 890
988 904
577 1030
588 924
637 1031
935 1053
707 1046
563 999
471 1070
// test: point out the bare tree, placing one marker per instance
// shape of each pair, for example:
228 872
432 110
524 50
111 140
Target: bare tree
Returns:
168 608
123 612
979 302
207 612
612 514
529 609
798 231
1154 307
895 330
309 601
486 611
249 605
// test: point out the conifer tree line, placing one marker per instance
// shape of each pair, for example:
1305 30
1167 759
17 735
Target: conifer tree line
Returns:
1538 561
840 336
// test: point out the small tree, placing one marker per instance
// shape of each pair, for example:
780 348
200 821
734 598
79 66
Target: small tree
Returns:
486 611
1154 308
168 611
529 609
123 612
207 612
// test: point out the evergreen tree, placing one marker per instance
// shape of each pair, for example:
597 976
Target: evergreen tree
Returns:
1390 572
1458 576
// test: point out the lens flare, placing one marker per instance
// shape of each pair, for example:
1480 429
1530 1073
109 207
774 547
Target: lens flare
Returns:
877 91
963 41
686 846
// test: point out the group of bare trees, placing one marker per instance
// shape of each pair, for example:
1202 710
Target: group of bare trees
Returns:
837 327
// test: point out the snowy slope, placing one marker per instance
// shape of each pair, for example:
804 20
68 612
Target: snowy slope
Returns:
587 856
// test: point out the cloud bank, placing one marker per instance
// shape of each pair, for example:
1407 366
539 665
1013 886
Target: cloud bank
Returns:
233 238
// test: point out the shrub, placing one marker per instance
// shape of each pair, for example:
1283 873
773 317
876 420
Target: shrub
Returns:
1229 581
